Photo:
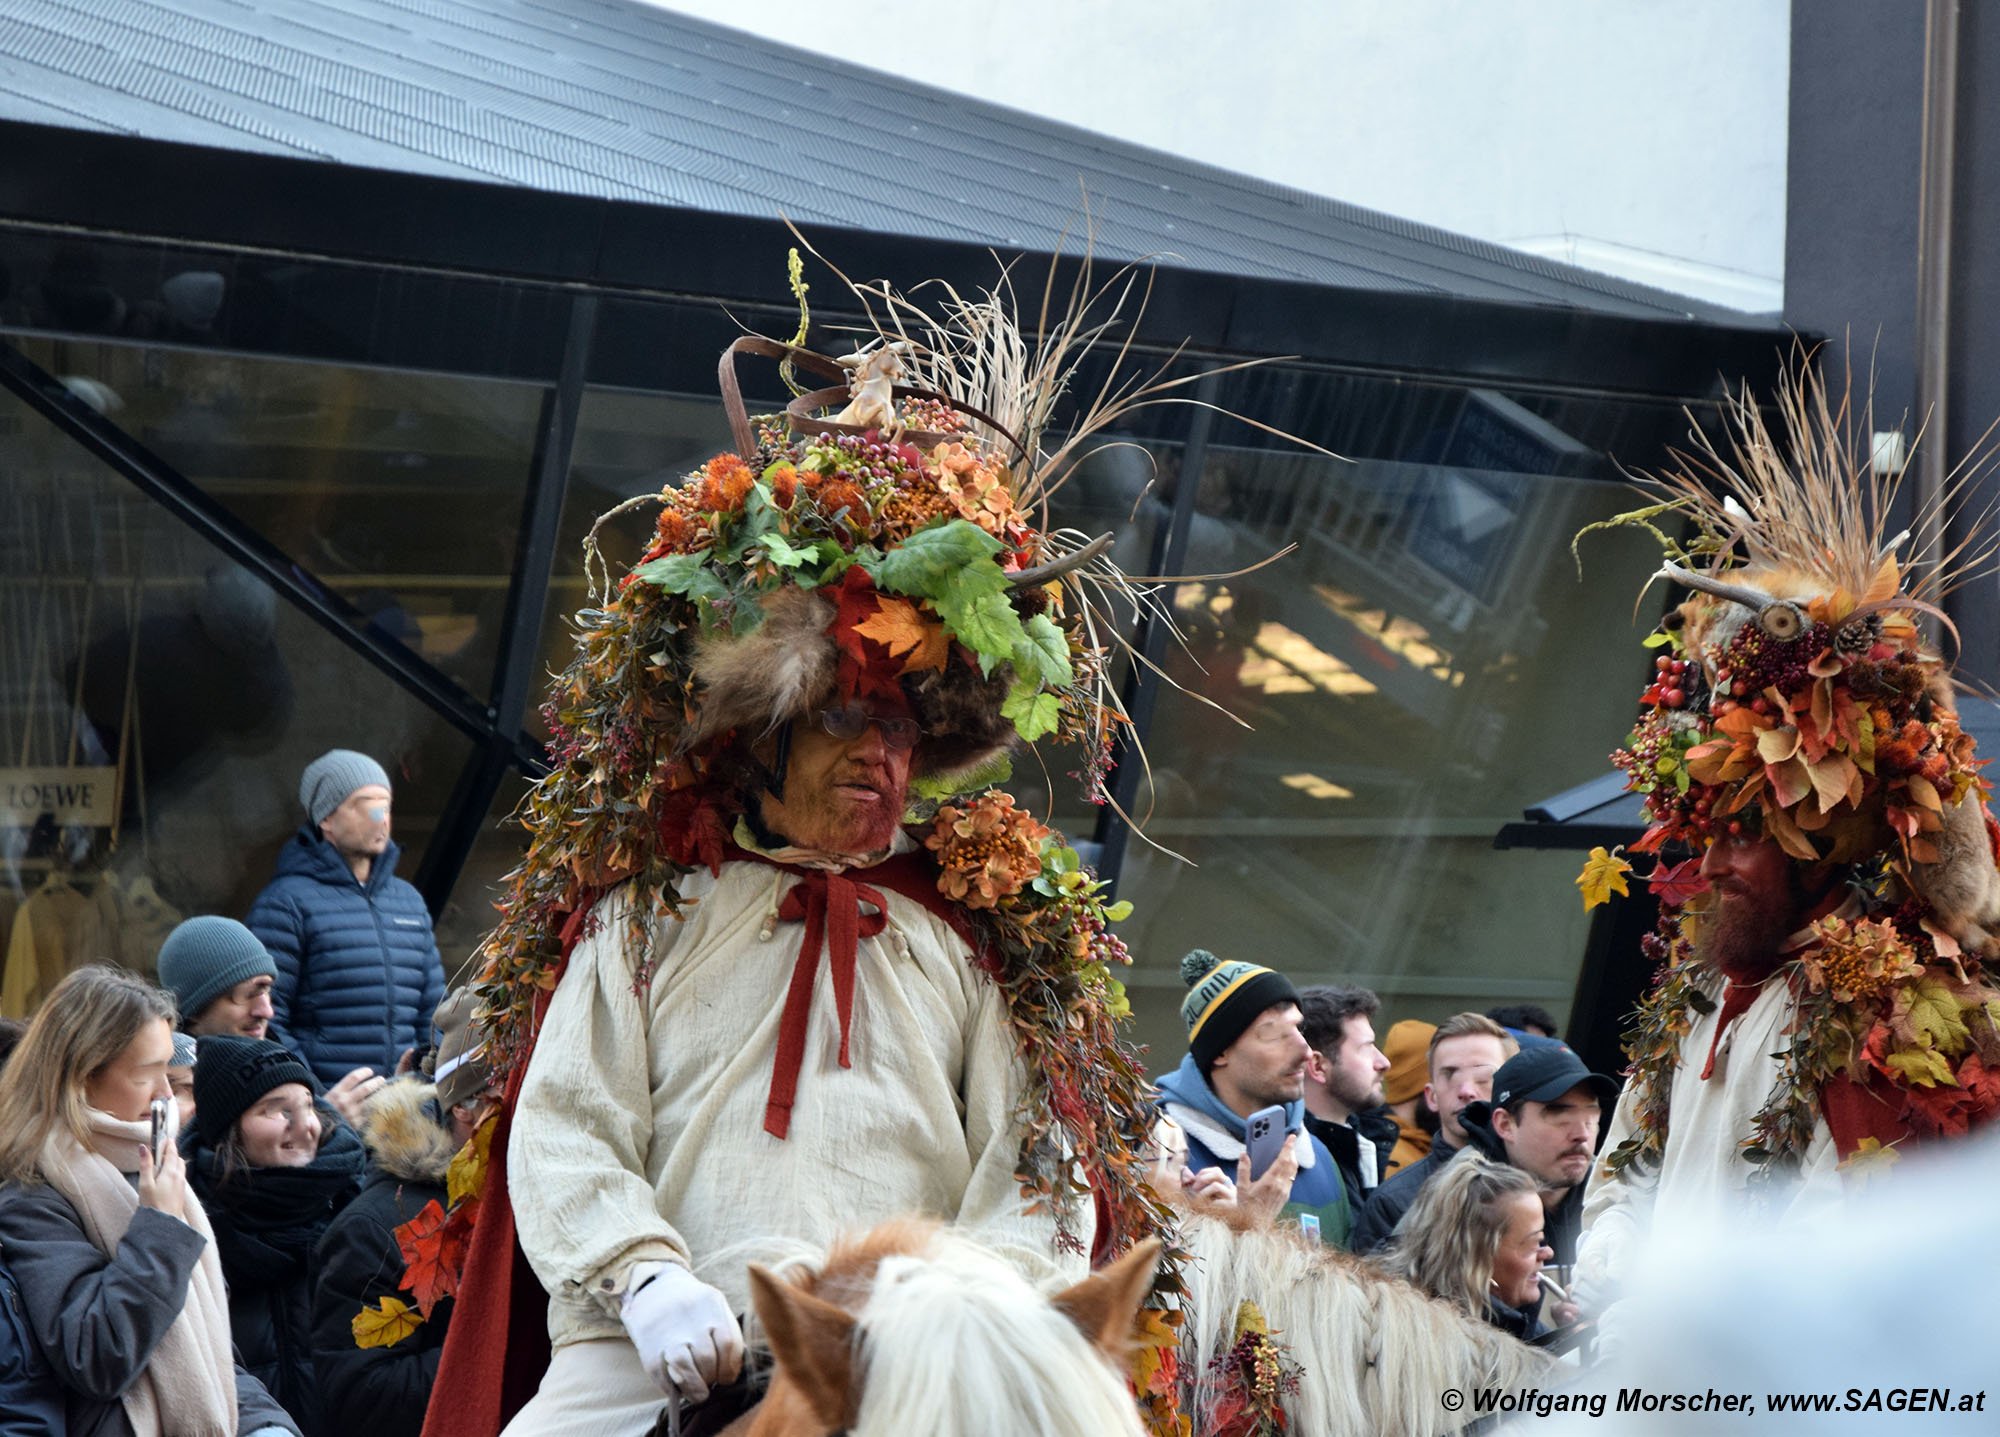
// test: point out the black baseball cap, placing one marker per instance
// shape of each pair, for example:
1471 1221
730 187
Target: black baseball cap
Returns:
1543 1073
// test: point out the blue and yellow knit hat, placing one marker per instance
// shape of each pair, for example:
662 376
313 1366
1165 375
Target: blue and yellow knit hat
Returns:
1223 999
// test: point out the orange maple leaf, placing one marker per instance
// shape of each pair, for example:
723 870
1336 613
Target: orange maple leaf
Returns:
900 628
433 1249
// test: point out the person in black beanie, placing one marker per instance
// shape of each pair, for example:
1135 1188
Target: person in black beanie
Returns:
272 1163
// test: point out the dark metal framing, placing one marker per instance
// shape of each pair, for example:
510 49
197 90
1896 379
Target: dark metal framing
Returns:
1142 686
521 625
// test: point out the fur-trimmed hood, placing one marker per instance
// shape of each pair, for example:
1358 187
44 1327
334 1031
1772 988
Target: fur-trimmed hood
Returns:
403 1134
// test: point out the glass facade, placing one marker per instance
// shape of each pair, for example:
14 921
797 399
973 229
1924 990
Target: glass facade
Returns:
262 506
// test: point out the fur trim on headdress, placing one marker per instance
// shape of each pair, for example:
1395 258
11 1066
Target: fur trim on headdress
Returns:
782 670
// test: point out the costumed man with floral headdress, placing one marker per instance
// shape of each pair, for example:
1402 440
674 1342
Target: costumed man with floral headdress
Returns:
1824 858
744 1005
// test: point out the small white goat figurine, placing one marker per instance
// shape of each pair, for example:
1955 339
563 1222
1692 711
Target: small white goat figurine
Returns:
871 381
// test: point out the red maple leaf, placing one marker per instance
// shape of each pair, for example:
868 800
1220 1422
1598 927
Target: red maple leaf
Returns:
693 829
434 1248
865 666
1678 882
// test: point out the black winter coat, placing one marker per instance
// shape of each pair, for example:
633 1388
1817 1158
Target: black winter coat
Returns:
358 970
1377 1223
1343 1141
381 1391
98 1319
267 1222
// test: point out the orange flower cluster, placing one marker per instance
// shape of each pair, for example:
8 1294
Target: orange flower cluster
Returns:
1858 961
981 490
725 483
987 850
908 510
834 493
677 532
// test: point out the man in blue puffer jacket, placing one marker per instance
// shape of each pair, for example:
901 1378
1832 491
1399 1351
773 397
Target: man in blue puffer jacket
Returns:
358 968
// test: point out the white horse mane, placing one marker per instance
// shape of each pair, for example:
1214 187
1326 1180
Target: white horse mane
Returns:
1375 1354
958 1344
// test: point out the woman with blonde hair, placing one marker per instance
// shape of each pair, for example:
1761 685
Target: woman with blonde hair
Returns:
114 1257
1474 1238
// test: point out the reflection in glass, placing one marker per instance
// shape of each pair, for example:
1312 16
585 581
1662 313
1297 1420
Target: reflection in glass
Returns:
400 492
157 705
1422 668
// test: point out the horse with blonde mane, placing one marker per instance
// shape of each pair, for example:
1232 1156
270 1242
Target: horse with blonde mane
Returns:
911 1329
1373 1353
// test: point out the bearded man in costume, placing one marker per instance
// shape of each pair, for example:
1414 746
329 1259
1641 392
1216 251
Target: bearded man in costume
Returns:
1824 947
779 964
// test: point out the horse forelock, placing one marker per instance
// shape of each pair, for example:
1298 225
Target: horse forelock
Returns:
955 1343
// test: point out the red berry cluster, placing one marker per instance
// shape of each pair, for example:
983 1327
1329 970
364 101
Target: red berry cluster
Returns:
1674 680
1754 661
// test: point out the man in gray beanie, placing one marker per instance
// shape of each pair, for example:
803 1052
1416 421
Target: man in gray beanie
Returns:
358 973
222 980
220 977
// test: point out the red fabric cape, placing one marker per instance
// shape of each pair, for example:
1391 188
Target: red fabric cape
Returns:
497 1346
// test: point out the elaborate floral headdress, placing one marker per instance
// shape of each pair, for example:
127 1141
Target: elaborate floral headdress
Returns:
898 551
1795 696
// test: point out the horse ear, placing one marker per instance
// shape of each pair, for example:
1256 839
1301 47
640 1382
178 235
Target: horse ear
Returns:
813 1342
1105 1305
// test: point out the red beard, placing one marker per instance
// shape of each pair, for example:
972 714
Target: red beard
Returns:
1745 934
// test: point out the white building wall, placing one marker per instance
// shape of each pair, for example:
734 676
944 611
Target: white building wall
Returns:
1644 138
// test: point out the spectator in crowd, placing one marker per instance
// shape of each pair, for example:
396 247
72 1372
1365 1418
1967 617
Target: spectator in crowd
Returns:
221 976
412 1129
31 1404
358 968
1408 1048
1473 1237
1344 1085
1466 1051
1543 1119
273 1163
1525 1019
180 1077
119 1275
1246 1053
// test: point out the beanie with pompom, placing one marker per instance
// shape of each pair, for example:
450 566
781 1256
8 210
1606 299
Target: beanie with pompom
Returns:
1224 998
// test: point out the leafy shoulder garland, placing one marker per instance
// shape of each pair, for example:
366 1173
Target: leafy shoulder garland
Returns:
1888 1000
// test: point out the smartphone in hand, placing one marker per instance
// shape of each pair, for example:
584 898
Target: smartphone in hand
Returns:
1264 1139
166 1124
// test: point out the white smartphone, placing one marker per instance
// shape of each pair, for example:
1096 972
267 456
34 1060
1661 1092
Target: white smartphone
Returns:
1264 1139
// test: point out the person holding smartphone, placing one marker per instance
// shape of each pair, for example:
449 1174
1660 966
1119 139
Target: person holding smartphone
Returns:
114 1257
1239 1099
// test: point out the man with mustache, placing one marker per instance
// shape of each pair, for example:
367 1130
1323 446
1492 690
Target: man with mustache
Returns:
739 1102
1543 1119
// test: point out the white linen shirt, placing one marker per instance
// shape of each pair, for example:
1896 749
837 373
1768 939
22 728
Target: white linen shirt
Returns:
1702 1175
640 1137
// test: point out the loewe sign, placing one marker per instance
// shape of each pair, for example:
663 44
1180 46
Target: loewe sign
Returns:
85 796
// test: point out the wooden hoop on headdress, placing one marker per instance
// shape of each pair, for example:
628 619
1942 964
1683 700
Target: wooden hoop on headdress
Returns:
800 413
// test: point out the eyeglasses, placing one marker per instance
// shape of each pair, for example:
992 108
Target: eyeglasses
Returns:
852 721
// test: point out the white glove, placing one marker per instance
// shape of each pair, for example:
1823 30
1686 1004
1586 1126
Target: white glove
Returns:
686 1335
